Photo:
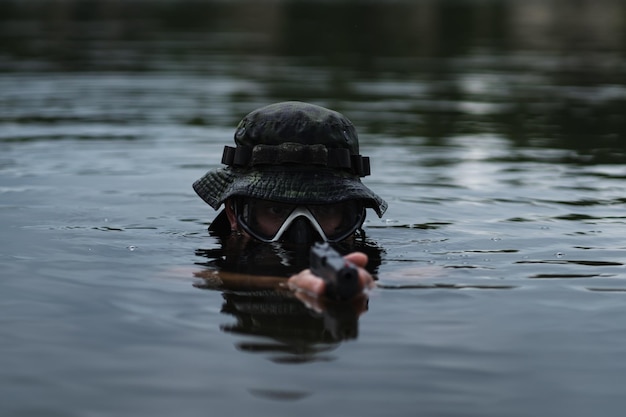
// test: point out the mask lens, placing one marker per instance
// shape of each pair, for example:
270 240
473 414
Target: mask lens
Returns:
339 220
264 218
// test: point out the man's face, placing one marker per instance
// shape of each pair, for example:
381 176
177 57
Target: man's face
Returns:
272 221
270 216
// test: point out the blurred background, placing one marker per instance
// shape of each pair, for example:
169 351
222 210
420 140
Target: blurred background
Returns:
546 72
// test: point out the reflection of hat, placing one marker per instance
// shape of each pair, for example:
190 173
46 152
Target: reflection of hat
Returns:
292 152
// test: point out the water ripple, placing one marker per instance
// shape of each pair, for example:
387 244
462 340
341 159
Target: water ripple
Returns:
575 262
445 286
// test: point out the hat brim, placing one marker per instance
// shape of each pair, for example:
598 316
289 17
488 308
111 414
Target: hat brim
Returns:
286 184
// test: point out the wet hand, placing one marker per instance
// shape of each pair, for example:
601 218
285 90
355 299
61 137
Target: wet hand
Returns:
314 286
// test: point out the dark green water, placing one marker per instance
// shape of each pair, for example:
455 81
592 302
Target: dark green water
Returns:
497 136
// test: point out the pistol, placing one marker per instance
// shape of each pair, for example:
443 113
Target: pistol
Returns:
341 276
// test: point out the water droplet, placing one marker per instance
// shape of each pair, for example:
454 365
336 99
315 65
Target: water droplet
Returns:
132 248
559 254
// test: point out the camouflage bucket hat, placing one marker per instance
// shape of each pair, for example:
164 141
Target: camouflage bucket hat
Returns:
292 152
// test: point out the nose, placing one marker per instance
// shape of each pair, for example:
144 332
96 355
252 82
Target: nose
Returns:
301 231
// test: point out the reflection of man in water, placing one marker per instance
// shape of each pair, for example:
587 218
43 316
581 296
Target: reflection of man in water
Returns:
292 179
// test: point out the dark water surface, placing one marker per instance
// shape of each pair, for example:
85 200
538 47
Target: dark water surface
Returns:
497 135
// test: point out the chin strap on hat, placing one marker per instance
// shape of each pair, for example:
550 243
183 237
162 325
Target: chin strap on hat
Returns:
296 153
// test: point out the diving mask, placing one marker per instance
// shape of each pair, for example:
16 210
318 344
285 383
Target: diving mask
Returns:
270 221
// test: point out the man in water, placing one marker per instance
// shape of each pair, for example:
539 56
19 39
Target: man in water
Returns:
293 178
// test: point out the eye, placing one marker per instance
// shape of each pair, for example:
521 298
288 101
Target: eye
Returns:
277 210
271 210
326 212
323 211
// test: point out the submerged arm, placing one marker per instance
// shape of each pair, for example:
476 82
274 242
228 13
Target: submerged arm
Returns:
304 281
